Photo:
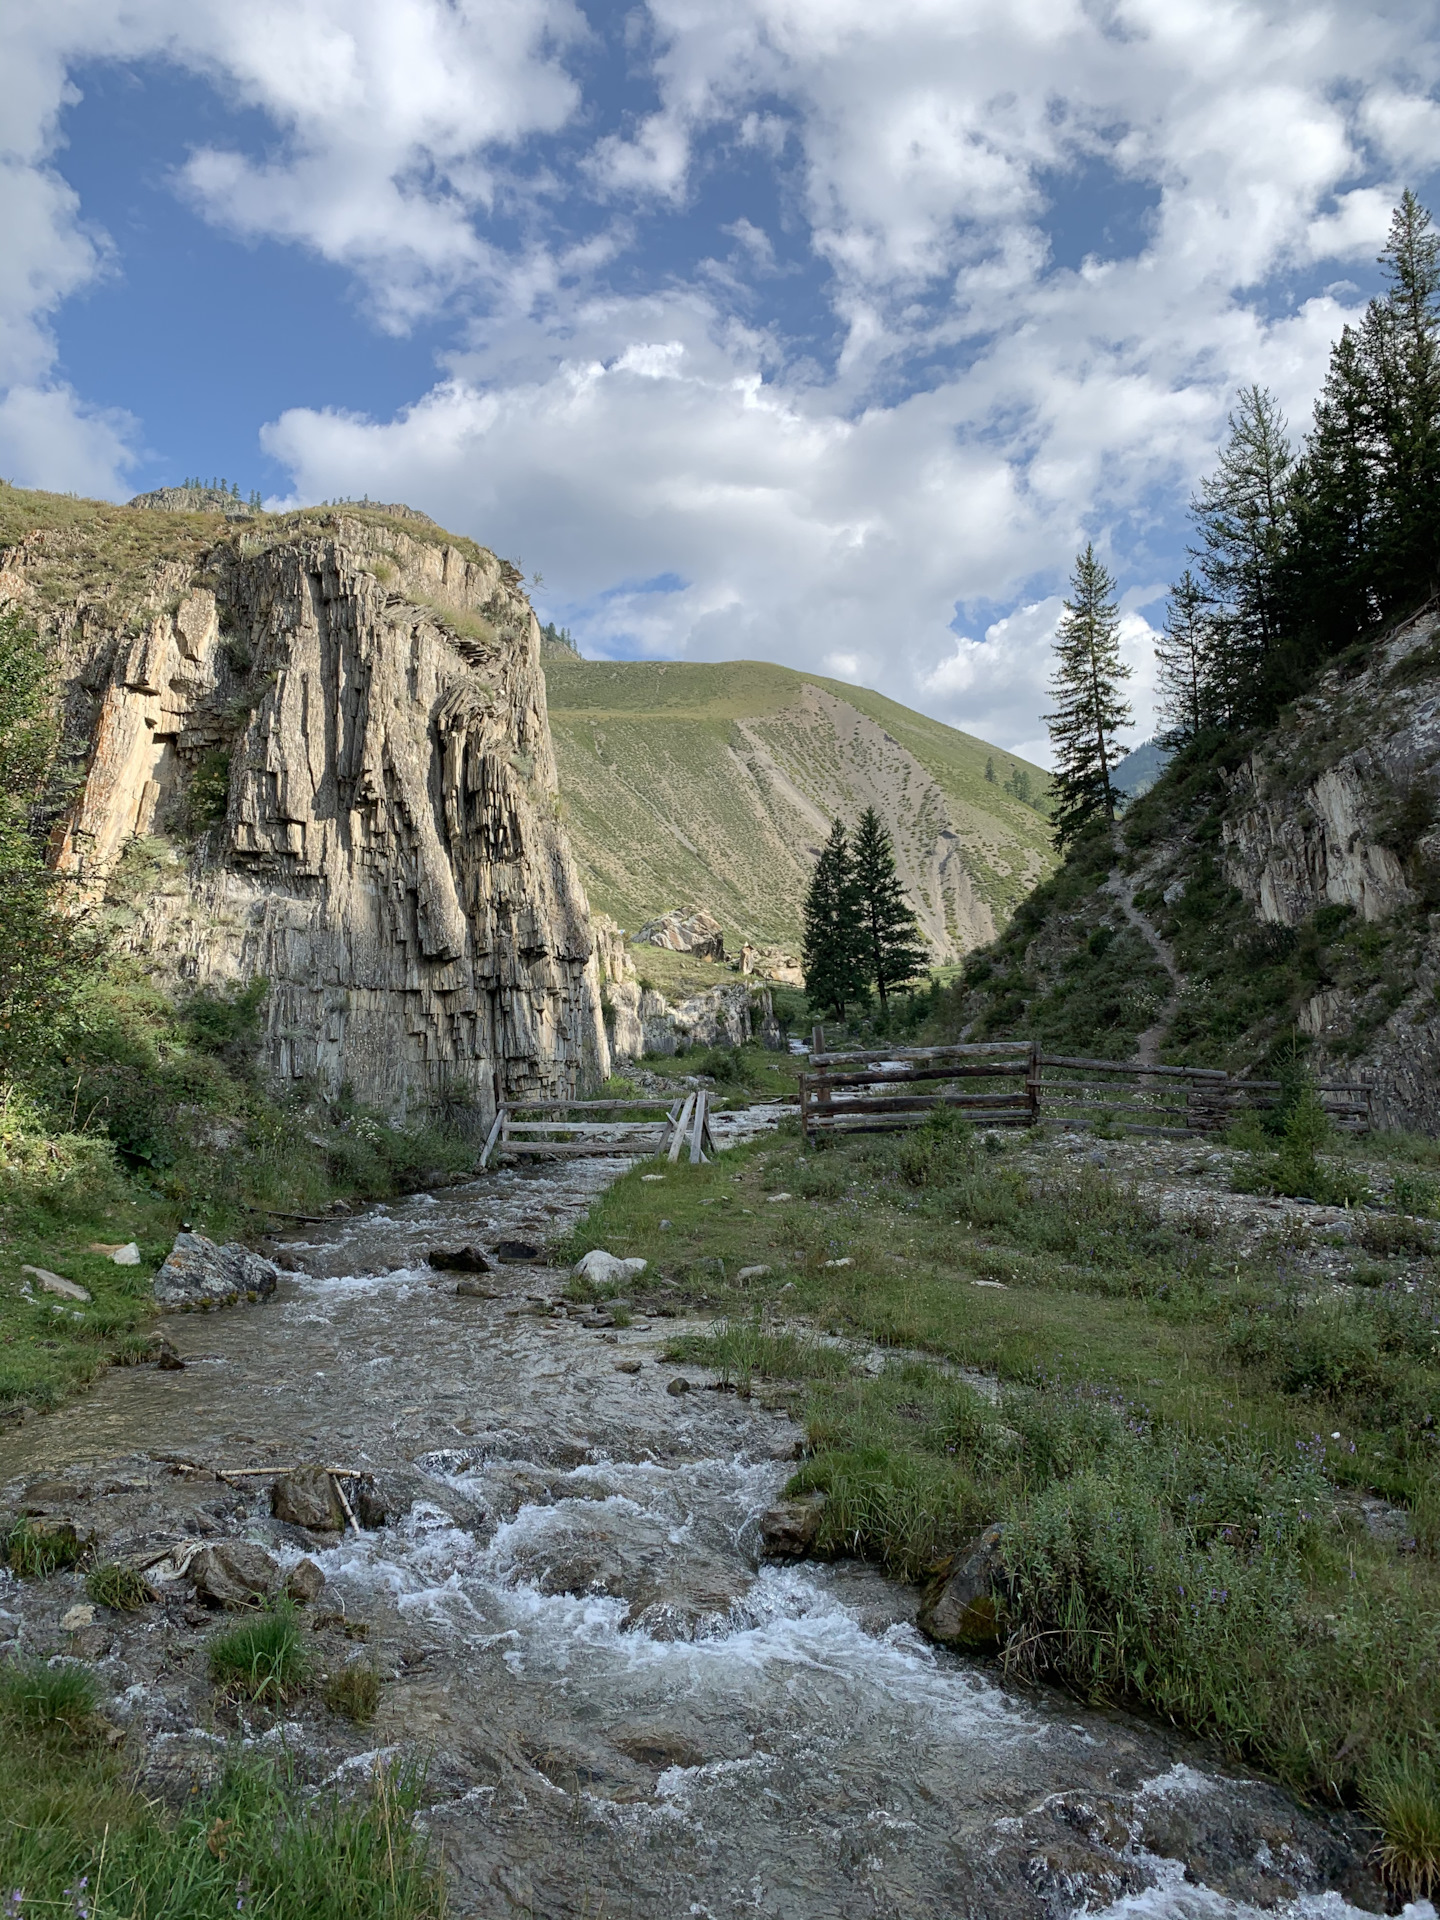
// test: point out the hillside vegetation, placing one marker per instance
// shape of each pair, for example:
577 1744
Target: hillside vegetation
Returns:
716 784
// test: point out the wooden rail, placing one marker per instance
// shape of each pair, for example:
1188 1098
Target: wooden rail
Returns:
875 1092
590 1133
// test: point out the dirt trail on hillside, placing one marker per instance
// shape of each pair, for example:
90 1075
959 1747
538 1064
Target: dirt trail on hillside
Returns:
1122 887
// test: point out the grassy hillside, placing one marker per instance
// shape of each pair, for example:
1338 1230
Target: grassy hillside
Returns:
716 783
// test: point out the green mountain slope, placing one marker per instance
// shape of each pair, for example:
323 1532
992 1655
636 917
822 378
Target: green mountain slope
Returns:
715 784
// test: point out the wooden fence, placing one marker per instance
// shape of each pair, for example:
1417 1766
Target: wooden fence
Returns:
682 1121
1011 1083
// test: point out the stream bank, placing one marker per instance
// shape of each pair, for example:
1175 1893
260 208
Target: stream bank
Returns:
624 1711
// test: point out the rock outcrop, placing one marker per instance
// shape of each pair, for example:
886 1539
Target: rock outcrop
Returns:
317 751
197 1273
697 933
643 1021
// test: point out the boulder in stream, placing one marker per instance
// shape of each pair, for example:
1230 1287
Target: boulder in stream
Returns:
304 1582
197 1273
307 1498
790 1528
461 1260
233 1573
962 1611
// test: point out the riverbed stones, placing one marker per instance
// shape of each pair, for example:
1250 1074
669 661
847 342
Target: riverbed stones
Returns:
233 1573
49 1282
601 1268
304 1583
963 1611
197 1273
474 1290
307 1498
467 1259
790 1528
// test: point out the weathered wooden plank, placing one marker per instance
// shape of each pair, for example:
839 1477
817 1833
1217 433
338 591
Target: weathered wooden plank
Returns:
971 1048
632 1150
583 1106
493 1135
697 1128
838 1118
680 1125
1130 1066
1001 1070
920 1102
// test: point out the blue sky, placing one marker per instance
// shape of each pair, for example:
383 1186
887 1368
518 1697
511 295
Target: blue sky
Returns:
797 329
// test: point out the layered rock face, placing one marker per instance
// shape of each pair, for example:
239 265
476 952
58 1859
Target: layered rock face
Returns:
1340 808
321 754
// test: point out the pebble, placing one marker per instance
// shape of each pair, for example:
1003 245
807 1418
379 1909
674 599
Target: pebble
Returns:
627 1366
779 1196
846 1262
678 1385
57 1283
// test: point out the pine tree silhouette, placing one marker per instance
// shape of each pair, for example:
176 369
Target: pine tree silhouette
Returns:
890 939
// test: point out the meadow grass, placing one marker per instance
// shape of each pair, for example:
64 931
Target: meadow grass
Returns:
262 1661
1173 1433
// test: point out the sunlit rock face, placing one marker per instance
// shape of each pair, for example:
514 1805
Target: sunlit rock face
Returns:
316 750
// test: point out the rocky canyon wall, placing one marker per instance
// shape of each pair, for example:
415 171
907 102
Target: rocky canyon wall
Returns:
316 750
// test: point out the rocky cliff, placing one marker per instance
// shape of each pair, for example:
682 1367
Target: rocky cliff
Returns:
1270 897
314 747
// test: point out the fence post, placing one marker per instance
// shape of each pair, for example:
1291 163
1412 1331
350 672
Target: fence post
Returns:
820 1076
1032 1083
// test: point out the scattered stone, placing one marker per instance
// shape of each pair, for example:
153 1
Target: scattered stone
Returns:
627 1366
678 1385
962 1611
371 1507
197 1273
57 1283
288 1262
127 1256
659 1748
235 1574
773 1197
307 1498
751 1273
989 1283
461 1260
304 1582
166 1357
846 1262
601 1268
77 1617
666 1225
788 1530
472 1290
652 1176
517 1253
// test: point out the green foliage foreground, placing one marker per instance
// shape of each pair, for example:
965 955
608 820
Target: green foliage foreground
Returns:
1177 1447
78 1837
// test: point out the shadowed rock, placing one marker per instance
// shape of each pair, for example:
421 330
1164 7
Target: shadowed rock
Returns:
197 1273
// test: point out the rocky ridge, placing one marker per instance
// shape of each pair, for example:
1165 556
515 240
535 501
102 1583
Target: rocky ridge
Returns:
315 749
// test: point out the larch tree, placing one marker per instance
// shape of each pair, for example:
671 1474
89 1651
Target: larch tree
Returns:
891 944
1189 699
1090 708
835 970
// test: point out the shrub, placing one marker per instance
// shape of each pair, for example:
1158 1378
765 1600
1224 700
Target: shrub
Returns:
262 1661
1402 1795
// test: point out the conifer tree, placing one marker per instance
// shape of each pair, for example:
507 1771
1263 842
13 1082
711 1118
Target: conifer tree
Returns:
890 940
835 972
1190 699
1089 707
1402 341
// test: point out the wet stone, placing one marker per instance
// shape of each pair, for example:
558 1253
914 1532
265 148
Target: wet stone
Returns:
304 1583
235 1574
307 1498
790 1528
467 1259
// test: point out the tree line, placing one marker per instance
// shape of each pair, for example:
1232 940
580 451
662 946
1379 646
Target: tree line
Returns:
1298 550
861 936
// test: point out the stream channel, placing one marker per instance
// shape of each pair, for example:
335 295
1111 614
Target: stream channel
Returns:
626 1713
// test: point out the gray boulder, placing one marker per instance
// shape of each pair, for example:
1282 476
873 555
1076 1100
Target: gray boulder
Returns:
304 1583
963 1610
307 1498
790 1528
197 1273
236 1573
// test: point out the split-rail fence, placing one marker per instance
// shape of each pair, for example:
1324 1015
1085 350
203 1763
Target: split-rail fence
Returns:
1012 1083
580 1127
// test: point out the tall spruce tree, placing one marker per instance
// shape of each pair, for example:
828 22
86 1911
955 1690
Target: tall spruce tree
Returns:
891 944
1243 517
1090 709
1189 700
1402 342
835 968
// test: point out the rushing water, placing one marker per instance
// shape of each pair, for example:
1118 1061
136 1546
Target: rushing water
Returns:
626 1713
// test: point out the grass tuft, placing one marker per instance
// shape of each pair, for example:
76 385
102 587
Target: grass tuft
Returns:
1402 1796
263 1661
121 1588
35 1694
354 1692
35 1550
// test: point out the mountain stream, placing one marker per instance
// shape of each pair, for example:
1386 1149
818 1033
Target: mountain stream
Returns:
626 1713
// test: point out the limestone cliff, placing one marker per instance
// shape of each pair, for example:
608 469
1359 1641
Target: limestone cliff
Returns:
316 749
